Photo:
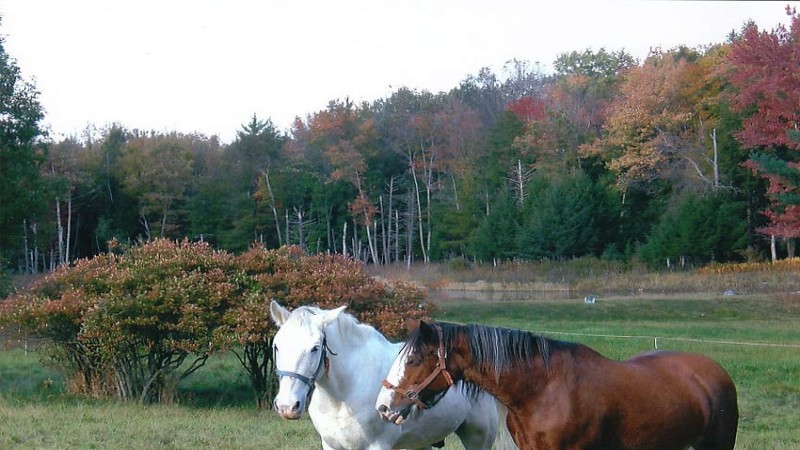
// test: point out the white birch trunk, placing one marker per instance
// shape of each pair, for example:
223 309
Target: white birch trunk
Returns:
69 226
59 232
272 206
773 248
344 239
419 215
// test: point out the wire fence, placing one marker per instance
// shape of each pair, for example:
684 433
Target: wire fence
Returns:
656 339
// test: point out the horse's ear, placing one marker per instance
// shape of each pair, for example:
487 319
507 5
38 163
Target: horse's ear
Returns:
330 316
411 324
279 314
426 331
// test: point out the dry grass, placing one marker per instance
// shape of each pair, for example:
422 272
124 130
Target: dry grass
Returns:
601 277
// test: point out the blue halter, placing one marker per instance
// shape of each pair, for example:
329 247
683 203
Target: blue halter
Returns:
309 381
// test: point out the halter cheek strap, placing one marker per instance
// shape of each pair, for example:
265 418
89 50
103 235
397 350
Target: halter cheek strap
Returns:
412 393
309 381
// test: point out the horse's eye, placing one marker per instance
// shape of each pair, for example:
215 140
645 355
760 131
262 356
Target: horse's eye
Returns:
315 349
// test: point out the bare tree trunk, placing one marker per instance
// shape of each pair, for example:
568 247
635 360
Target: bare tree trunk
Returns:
716 158
163 223
773 248
397 235
371 243
146 225
344 239
428 211
378 256
35 255
331 243
301 240
288 241
69 225
272 206
25 245
59 232
372 250
384 235
455 192
410 230
790 247
520 180
388 249
419 215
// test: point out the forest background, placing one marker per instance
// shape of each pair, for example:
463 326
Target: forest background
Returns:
686 158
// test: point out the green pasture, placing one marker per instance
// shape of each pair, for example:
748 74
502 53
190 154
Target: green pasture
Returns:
757 339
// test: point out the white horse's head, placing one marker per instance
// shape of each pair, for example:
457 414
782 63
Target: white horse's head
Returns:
300 352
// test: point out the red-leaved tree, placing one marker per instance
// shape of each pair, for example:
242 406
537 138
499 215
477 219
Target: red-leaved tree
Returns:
764 70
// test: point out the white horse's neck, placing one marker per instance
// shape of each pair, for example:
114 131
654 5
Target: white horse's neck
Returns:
359 356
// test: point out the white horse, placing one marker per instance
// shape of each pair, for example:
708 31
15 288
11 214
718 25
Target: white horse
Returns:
343 362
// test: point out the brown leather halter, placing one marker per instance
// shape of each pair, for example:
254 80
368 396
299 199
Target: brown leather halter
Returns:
412 393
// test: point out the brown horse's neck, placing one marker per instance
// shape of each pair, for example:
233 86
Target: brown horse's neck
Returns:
523 376
502 384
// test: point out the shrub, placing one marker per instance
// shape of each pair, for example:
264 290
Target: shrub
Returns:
295 279
125 325
134 324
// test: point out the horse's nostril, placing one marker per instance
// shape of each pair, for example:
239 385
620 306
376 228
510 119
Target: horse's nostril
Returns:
382 409
296 406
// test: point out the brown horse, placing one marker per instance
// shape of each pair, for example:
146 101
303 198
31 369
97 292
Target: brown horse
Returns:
563 395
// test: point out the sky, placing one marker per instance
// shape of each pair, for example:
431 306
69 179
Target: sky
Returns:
208 66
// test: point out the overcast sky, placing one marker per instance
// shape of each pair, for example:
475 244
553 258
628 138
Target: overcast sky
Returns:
208 66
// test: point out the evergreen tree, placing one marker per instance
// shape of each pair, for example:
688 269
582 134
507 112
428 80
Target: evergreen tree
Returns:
696 230
22 191
495 238
565 220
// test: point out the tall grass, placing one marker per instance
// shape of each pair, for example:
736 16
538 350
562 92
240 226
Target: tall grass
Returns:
592 275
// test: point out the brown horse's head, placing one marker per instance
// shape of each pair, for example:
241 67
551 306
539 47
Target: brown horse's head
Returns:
419 375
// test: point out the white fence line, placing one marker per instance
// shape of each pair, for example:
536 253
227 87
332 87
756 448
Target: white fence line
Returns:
655 339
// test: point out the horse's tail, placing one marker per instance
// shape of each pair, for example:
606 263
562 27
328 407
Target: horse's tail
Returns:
724 421
503 441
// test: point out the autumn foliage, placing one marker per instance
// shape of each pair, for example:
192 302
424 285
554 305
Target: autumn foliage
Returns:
133 323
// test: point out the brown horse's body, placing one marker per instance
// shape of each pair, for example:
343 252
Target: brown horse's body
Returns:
575 398
659 400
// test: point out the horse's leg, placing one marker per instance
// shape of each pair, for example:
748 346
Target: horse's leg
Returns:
720 435
721 431
474 437
478 431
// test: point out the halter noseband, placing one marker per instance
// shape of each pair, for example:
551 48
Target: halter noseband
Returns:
309 381
412 393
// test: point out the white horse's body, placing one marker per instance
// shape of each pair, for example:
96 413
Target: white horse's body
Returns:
346 361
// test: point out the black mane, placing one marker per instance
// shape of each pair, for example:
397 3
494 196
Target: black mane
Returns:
495 348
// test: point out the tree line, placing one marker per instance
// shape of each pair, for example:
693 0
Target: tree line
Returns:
687 157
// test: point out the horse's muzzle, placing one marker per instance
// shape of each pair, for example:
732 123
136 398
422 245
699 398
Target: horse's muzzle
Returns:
394 416
290 412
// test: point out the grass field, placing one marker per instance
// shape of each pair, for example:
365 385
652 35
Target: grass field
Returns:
756 338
